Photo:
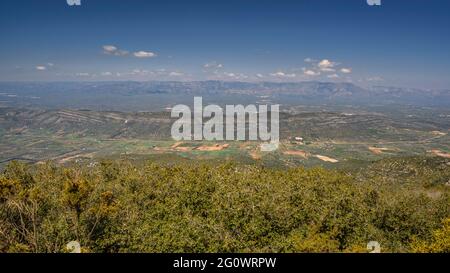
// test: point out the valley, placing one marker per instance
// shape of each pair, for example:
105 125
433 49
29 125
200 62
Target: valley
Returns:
331 137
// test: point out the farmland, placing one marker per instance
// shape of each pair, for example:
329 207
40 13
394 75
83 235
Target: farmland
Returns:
330 137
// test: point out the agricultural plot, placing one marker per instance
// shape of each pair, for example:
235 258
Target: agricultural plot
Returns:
326 138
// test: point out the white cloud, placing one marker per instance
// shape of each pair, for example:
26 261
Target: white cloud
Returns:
109 48
281 74
310 72
45 67
346 70
259 75
235 76
374 79
157 73
175 74
106 74
144 54
229 75
327 65
213 65
113 50
82 74
215 71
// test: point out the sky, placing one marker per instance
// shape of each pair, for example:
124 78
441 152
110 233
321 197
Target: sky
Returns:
399 43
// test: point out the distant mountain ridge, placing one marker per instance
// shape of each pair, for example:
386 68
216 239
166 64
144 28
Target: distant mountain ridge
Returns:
289 92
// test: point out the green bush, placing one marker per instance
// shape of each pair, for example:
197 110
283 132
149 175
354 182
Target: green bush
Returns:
118 206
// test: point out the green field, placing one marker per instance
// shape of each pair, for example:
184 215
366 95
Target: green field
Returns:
332 138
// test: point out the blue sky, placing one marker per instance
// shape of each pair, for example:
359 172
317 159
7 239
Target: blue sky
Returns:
401 42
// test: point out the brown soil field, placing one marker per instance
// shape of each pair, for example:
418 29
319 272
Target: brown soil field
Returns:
216 147
297 153
327 159
440 153
438 133
378 151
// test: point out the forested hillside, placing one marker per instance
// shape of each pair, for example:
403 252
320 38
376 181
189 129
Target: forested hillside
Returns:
122 206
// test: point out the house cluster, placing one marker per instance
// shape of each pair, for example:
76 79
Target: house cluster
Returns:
297 140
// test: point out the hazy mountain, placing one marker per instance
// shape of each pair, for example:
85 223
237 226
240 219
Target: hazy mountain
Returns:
155 96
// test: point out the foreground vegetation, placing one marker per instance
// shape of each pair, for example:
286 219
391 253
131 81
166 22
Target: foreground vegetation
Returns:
120 206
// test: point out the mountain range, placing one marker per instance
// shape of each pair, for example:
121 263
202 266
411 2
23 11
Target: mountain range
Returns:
157 95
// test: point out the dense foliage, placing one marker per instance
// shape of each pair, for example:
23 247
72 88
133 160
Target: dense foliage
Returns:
119 206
